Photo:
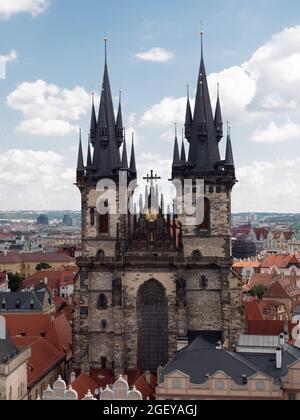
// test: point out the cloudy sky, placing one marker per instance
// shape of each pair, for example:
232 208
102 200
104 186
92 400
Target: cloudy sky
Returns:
53 54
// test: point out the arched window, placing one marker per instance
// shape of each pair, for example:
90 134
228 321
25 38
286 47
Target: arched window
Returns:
102 302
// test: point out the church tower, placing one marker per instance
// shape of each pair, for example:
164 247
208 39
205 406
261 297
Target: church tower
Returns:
150 281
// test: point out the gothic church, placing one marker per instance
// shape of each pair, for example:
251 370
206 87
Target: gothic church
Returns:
149 283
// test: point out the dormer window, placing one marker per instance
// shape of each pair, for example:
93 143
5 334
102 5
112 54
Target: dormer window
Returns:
3 305
18 304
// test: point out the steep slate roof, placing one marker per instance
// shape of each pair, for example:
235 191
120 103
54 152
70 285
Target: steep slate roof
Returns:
197 363
204 152
23 300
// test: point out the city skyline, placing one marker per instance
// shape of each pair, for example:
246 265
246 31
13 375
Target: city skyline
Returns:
51 73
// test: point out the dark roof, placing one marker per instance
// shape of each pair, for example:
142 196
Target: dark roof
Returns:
198 362
23 300
7 350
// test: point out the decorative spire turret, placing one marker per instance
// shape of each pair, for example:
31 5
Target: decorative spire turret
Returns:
229 160
176 157
218 118
89 156
119 124
188 117
132 158
80 161
183 154
124 164
93 128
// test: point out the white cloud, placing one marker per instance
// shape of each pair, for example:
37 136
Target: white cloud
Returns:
47 108
267 86
268 186
157 55
36 180
166 113
9 8
274 133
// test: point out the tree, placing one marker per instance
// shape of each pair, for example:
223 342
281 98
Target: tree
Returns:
258 291
14 281
42 266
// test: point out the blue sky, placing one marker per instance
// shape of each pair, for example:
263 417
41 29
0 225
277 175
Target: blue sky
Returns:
251 48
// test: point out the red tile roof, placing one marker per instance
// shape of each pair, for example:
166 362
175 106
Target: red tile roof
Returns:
44 357
102 377
146 388
83 384
261 279
269 328
280 261
33 325
59 334
55 278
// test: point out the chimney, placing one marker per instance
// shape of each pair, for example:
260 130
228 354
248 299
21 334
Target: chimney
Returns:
46 281
2 328
282 340
278 358
72 377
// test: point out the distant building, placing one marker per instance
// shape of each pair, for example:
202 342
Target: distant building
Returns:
67 220
13 367
27 302
242 248
43 220
25 263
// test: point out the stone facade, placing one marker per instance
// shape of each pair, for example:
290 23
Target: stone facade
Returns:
149 282
210 298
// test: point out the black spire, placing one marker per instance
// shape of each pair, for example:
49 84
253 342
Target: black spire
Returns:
204 151
107 156
183 154
80 162
218 118
119 124
229 160
124 164
89 156
188 117
132 159
93 129
176 157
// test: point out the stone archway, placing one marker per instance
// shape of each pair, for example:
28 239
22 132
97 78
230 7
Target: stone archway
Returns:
152 312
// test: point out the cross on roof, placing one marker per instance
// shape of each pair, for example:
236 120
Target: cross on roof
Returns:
150 178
